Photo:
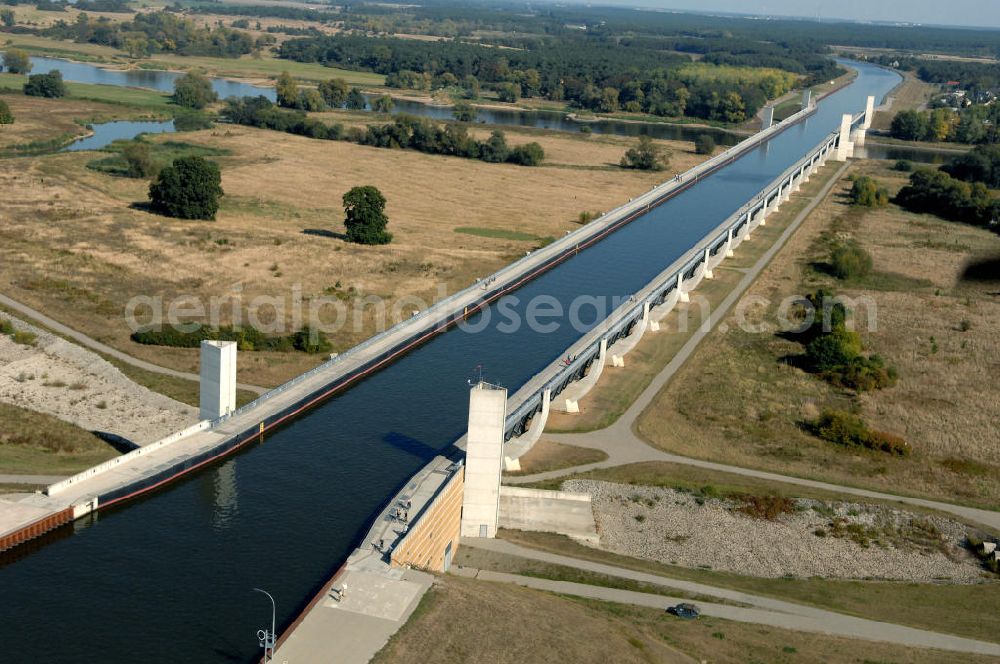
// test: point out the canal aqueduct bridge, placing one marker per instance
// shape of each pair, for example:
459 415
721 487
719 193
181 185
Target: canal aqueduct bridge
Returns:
558 385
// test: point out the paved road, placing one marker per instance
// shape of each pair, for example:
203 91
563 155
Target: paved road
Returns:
94 344
620 442
761 610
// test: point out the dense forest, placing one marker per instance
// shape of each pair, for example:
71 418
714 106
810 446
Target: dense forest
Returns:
155 32
451 18
599 75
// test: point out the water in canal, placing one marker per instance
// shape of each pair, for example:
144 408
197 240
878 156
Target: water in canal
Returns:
168 578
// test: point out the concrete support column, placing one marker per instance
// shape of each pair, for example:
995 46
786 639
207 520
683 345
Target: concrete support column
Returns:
797 179
859 137
787 193
682 295
768 118
763 215
217 379
807 96
483 460
729 243
866 124
708 271
844 147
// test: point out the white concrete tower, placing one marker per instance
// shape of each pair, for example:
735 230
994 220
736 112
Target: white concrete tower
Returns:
767 118
218 379
866 124
807 98
844 147
483 460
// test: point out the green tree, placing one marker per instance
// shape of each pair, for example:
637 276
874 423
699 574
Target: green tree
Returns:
45 85
365 219
609 100
193 90
286 90
7 17
647 156
909 125
311 100
334 92
6 117
866 193
189 189
355 100
383 104
508 92
138 161
464 112
704 144
16 61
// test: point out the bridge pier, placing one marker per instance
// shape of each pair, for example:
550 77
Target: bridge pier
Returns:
729 243
708 255
682 295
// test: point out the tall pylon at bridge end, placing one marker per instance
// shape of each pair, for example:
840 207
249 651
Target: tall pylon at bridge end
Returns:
483 460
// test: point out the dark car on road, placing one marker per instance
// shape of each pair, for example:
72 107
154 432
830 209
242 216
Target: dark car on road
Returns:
685 611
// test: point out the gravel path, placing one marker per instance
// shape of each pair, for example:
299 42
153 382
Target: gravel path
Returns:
59 378
859 540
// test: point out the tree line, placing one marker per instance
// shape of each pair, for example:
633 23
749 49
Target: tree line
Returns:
158 32
601 76
405 132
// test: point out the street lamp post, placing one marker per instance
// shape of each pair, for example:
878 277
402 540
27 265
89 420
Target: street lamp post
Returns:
267 639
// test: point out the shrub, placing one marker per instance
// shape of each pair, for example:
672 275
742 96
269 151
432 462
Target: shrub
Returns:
191 120
704 144
848 430
831 351
862 374
24 337
866 193
646 156
529 154
188 189
308 340
45 85
903 166
849 260
6 117
769 506
138 162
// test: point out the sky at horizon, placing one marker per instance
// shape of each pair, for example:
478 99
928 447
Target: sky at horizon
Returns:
966 13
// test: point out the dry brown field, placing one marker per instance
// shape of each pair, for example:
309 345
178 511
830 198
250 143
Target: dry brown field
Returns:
77 244
460 619
736 401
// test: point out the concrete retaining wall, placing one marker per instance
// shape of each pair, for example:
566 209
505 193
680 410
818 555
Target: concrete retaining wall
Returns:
101 468
560 512
427 541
